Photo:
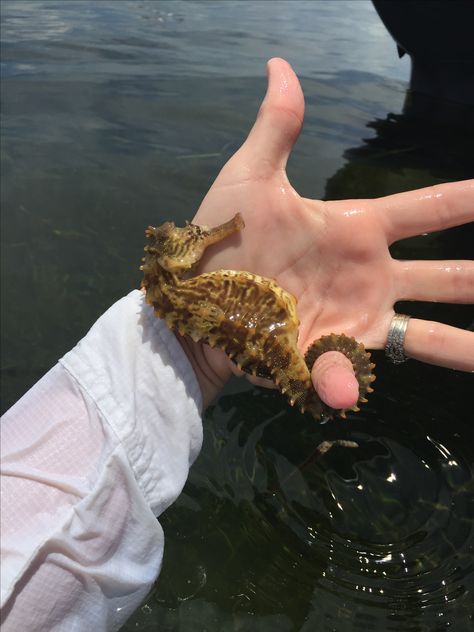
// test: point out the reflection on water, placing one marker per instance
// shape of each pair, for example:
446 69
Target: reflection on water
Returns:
109 126
109 40
378 536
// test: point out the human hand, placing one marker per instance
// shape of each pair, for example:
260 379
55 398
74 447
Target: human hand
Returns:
332 256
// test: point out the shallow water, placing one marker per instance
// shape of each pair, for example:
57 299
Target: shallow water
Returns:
120 114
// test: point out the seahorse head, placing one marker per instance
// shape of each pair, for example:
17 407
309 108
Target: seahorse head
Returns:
176 249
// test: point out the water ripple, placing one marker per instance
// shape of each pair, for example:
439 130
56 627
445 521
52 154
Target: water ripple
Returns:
378 537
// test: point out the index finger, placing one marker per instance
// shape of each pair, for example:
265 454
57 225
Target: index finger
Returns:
426 210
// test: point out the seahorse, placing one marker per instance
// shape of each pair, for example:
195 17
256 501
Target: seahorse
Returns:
250 317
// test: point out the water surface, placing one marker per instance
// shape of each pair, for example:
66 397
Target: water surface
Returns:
116 115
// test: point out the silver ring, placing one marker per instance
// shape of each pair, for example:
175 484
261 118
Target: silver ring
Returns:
394 349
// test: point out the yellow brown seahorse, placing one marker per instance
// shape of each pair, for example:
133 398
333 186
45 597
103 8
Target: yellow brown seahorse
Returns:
250 317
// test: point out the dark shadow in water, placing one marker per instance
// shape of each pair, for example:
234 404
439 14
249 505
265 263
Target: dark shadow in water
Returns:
426 143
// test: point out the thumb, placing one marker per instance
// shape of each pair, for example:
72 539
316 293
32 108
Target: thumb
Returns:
334 380
279 120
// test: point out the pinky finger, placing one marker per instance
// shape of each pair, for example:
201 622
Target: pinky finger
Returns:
443 345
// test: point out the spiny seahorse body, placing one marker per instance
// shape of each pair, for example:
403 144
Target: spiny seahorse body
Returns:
250 317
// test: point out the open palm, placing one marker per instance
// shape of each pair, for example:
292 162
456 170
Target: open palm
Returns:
333 256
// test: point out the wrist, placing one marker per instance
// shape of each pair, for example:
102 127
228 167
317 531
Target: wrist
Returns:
211 366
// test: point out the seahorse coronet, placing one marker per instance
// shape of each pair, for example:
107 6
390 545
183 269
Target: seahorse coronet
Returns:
250 317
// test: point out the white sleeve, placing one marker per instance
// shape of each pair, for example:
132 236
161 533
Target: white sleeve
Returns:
90 455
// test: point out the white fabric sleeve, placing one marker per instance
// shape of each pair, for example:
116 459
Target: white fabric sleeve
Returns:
90 455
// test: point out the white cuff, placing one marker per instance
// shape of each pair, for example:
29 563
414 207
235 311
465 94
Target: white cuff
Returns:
131 365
